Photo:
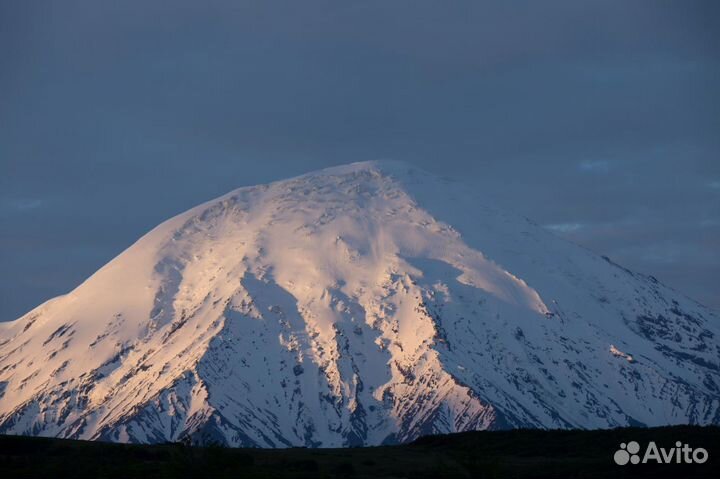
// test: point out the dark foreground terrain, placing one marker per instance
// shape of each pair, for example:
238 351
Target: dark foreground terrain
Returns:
512 454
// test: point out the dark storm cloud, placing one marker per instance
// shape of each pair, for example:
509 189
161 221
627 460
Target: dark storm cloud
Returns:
599 119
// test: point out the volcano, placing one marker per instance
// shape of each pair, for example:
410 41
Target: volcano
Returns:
365 304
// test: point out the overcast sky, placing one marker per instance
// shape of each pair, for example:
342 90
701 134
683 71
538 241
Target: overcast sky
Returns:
598 119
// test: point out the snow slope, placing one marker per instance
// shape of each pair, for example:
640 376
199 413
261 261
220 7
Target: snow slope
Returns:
363 304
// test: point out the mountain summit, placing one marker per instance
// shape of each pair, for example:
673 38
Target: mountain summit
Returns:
359 305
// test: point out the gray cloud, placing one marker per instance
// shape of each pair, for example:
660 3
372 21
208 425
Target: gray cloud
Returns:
117 115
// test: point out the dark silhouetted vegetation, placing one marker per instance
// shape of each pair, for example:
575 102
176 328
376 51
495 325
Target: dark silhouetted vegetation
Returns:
498 454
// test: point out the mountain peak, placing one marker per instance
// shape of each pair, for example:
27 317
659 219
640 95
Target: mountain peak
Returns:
360 304
386 168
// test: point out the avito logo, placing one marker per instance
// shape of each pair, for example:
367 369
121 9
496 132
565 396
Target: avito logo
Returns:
680 454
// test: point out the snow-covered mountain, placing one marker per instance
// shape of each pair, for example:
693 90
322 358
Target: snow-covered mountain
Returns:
363 304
